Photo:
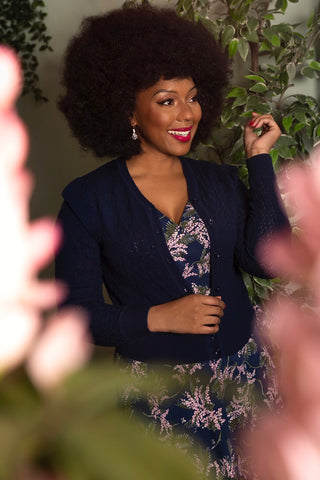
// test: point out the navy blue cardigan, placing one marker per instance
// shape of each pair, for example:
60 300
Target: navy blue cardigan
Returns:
112 235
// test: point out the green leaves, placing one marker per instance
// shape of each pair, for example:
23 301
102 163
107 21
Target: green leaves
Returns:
237 91
259 88
233 47
315 65
243 48
291 71
227 35
282 5
287 122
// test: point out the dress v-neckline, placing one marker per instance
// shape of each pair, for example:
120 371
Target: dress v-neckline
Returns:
163 215
144 198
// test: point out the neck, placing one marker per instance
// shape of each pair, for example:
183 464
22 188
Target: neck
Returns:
152 164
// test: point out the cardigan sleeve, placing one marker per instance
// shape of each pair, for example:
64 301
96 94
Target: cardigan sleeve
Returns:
78 265
260 214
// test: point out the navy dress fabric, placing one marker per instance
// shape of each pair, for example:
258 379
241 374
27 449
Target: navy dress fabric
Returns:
201 406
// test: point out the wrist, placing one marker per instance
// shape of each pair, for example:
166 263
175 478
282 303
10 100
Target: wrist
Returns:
155 319
255 152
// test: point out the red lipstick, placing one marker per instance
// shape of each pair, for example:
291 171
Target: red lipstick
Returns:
182 134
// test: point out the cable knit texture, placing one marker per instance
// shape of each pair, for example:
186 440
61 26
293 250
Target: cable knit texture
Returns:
113 236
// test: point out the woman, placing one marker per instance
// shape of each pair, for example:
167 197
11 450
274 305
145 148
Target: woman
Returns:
167 235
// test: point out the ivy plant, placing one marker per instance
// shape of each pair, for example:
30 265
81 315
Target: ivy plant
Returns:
22 27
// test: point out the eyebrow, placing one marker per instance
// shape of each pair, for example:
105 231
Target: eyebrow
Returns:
163 90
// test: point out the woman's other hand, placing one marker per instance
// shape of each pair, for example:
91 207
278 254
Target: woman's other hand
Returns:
192 314
256 143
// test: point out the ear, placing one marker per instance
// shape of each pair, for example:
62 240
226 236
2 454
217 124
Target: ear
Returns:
133 121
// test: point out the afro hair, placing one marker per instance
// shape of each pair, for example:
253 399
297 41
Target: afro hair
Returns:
127 50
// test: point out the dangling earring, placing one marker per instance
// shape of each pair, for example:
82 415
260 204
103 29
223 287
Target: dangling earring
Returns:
134 134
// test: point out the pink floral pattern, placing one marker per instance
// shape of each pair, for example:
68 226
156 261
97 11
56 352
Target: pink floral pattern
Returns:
189 245
199 407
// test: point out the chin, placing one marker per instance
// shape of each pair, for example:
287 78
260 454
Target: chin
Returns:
181 150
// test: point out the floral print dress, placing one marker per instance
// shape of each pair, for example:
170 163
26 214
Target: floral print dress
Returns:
204 404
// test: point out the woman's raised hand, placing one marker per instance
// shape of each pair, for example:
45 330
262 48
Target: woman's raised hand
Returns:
192 314
256 143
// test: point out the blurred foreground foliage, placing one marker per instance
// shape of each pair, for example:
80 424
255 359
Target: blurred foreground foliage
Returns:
79 432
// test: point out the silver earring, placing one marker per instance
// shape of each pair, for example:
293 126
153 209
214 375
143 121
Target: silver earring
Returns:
134 134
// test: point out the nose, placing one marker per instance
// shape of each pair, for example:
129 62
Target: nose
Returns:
185 112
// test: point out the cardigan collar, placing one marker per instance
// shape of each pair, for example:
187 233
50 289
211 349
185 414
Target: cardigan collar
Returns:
187 170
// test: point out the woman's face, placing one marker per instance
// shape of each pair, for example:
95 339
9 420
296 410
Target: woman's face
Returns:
166 117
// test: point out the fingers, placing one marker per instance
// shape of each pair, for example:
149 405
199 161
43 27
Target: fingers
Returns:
260 121
209 313
260 142
193 314
209 300
209 329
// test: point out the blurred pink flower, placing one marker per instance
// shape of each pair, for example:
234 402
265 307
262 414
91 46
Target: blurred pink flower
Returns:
10 78
62 348
19 326
296 257
63 345
286 446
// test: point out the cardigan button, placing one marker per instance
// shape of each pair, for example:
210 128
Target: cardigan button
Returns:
218 351
210 221
216 255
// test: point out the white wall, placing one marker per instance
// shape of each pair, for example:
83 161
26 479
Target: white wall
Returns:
55 157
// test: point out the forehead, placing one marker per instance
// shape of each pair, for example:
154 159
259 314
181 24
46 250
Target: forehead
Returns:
174 85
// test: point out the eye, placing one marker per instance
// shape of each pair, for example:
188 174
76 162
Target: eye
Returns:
194 99
167 101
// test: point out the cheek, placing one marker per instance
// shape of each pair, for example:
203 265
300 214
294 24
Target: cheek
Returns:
161 119
155 119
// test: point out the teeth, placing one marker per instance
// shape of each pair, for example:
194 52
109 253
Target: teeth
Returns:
181 134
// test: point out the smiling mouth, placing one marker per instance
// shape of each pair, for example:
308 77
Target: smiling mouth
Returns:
183 135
